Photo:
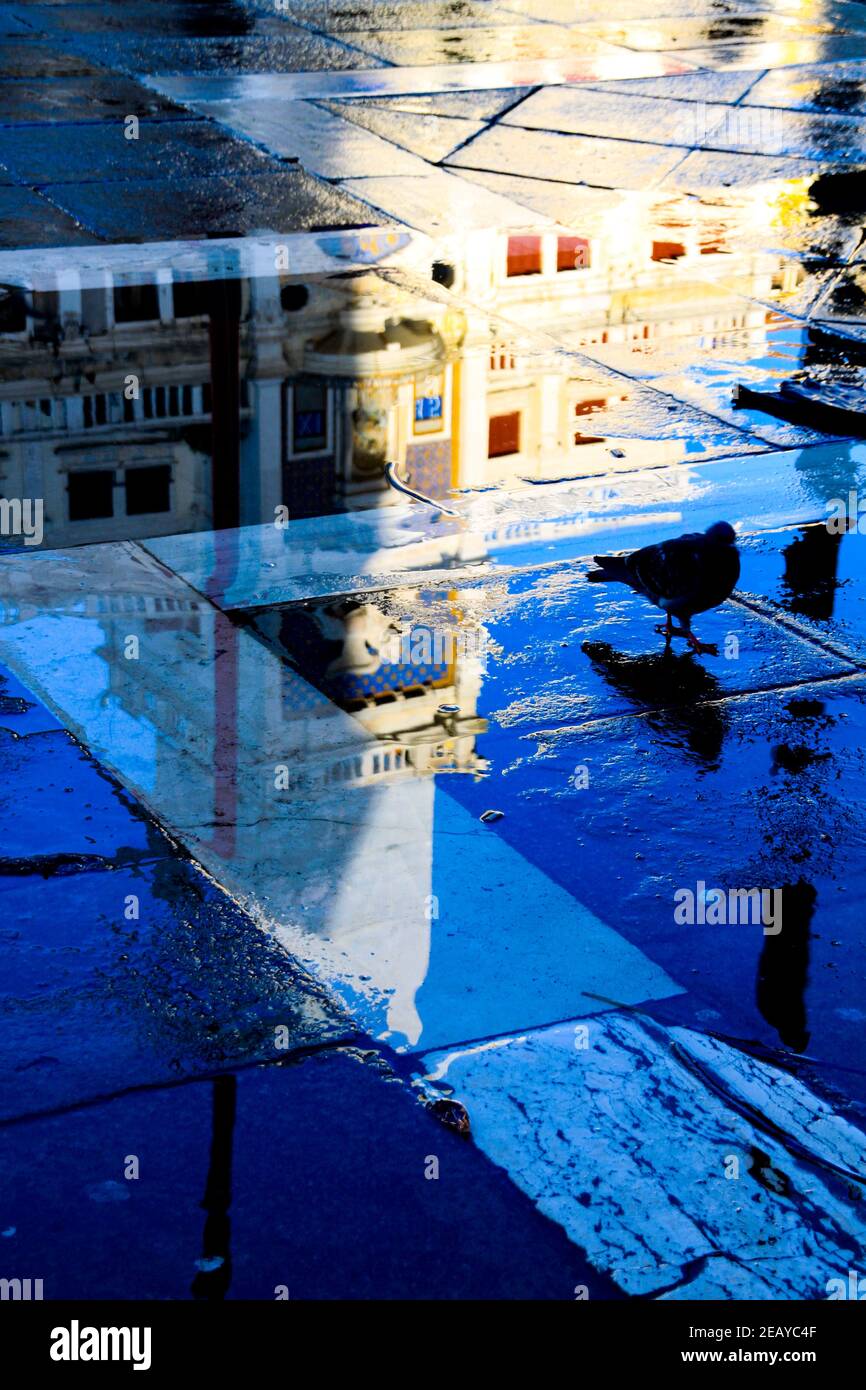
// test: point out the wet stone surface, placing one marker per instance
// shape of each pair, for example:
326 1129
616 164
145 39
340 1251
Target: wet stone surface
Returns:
281 201
29 220
336 805
298 51
352 1145
95 97
123 964
169 151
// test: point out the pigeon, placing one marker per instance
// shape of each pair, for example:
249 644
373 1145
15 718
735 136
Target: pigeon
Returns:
682 577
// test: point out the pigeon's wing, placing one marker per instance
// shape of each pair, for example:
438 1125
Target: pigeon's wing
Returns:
671 570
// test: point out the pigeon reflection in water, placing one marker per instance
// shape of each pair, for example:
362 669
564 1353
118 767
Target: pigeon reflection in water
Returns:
683 697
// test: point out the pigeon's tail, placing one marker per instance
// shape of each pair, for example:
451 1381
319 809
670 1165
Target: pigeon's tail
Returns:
613 570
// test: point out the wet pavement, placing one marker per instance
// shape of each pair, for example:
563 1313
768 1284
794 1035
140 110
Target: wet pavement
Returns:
334 342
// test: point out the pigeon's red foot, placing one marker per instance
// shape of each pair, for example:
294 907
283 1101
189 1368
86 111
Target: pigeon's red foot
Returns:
702 648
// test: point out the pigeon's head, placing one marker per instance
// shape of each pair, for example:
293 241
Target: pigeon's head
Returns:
721 533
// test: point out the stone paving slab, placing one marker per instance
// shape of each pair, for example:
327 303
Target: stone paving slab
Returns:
581 111
705 370
430 137
729 87
437 203
685 32
705 171
29 220
709 126
607 1134
393 14
767 780
260 843
394 81
288 52
562 11
569 204
793 52
164 151
123 963
23 60
634 11
625 164
307 1160
840 88
476 45
164 209
808 577
473 106
535 525
328 146
98 97
136 16
575 613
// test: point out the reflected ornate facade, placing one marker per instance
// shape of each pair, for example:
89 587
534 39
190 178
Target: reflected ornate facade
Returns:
139 407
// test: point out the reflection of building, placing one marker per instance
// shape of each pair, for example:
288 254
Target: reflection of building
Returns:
115 398
417 699
376 384
640 272
105 402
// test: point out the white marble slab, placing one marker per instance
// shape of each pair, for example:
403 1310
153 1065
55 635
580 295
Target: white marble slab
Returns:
574 159
323 143
444 77
607 1129
440 204
579 111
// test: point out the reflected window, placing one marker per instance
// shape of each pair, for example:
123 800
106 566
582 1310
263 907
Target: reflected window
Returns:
190 298
572 253
101 409
13 310
502 359
429 404
524 255
39 414
148 489
503 435
91 494
668 250
135 303
309 417
293 298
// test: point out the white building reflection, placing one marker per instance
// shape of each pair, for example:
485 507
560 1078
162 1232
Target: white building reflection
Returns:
151 405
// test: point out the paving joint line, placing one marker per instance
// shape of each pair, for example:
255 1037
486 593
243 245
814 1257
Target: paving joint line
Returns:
733 695
784 620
